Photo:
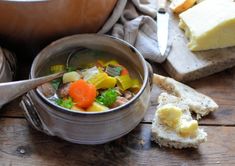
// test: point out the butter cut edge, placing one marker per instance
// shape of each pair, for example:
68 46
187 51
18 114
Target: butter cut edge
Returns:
211 35
221 36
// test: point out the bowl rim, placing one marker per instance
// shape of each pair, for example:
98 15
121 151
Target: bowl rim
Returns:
108 37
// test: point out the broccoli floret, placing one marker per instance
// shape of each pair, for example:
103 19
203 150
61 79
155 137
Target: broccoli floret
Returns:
66 103
108 97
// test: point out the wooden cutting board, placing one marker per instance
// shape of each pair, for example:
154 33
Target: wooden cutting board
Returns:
184 65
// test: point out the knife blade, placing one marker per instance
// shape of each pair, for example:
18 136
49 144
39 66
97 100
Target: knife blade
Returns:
162 26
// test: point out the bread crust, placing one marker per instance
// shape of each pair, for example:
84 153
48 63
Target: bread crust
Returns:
189 100
167 137
197 102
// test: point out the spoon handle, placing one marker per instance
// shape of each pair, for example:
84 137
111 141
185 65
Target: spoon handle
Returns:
12 90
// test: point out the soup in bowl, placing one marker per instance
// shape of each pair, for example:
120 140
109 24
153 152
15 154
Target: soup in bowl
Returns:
94 81
103 94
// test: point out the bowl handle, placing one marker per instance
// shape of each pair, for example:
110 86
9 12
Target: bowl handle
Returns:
30 112
32 116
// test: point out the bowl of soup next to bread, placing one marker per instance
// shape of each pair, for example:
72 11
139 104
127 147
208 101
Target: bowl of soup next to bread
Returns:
102 95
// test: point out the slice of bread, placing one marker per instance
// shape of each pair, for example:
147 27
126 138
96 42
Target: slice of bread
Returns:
197 102
165 136
168 128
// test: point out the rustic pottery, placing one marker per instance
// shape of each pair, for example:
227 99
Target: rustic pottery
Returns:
46 20
85 127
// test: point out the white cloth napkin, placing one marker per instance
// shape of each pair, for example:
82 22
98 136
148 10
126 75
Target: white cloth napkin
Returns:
137 25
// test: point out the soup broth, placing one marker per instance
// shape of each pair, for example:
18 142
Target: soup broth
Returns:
94 80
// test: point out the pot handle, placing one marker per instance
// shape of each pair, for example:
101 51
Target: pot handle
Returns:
32 116
30 113
150 69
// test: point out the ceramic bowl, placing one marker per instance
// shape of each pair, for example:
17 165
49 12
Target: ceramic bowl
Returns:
88 127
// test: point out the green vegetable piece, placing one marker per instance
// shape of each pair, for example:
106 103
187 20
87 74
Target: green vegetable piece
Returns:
66 103
113 70
135 86
56 83
69 69
124 82
57 68
108 97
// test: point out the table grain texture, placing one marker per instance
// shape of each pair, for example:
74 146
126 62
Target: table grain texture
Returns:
22 145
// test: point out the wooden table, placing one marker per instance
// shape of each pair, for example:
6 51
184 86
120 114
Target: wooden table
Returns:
22 145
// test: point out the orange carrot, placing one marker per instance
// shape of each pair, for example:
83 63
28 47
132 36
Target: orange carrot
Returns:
99 63
82 93
124 70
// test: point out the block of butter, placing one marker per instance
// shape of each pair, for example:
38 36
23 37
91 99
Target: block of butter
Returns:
209 25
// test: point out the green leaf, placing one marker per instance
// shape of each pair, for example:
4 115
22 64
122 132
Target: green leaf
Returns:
57 68
113 70
56 83
108 97
69 69
66 103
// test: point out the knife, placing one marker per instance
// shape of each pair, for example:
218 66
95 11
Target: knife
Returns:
162 26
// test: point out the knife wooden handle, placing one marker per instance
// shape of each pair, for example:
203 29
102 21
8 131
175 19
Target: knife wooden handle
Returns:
162 6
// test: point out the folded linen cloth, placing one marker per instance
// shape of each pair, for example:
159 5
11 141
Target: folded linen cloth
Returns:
7 65
138 27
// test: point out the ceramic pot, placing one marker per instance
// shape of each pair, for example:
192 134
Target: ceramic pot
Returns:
88 127
46 20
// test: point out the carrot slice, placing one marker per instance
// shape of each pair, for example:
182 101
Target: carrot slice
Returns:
124 70
82 93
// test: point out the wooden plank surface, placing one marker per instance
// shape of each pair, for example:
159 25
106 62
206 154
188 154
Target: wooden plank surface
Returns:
185 65
12 109
21 145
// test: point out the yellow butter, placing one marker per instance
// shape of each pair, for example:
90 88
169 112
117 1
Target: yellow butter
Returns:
187 129
173 117
209 25
170 115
